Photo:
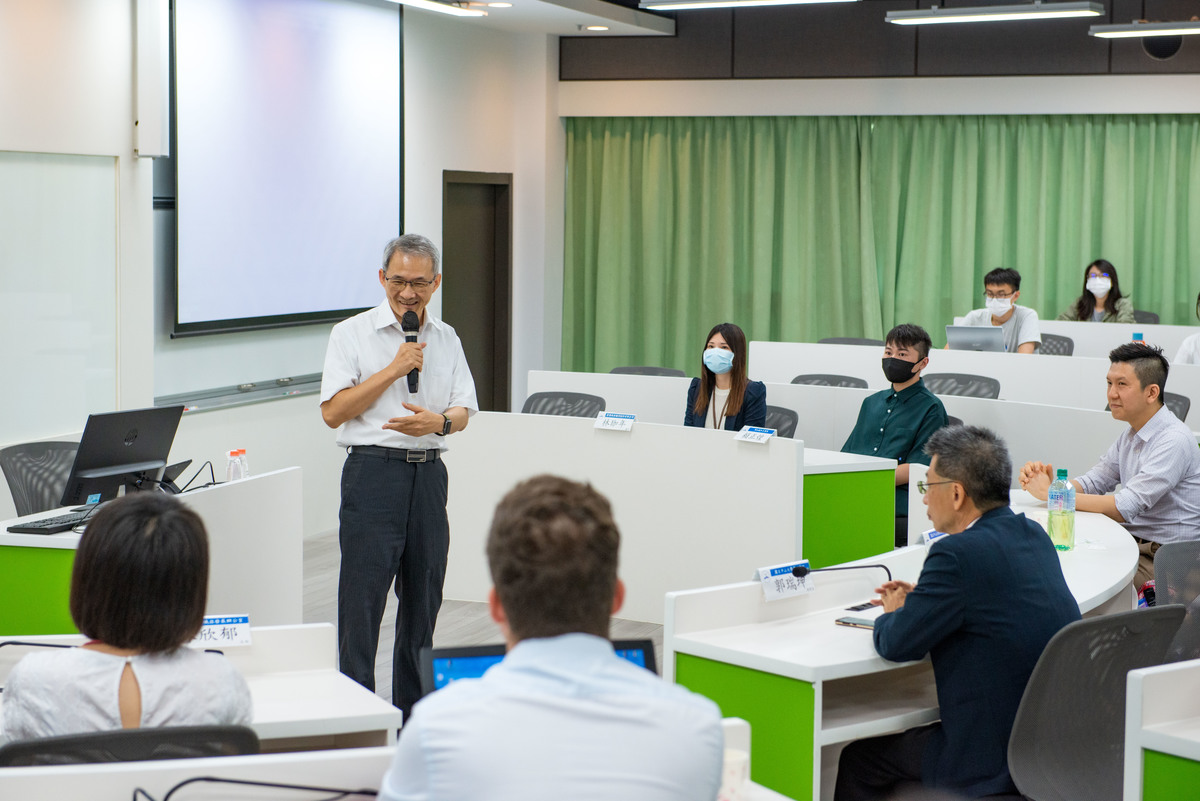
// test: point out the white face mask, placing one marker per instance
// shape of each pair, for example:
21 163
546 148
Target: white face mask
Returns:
999 306
1098 285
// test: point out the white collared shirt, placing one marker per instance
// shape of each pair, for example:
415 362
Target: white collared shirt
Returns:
559 718
1158 468
365 344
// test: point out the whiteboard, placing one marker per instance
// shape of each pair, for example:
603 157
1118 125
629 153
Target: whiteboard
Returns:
58 292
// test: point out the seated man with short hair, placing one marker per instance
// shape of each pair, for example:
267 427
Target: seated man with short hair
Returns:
562 716
1022 332
1156 462
896 422
989 598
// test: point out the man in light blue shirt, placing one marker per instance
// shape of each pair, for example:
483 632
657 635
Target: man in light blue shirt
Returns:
562 717
1156 462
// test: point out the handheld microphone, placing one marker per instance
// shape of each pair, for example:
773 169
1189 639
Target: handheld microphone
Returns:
800 571
410 324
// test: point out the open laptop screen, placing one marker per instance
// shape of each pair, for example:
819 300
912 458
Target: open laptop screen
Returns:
441 666
973 337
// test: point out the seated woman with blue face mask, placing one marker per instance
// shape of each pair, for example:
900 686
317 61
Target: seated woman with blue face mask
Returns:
723 397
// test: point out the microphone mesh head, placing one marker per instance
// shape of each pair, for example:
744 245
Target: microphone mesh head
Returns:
409 321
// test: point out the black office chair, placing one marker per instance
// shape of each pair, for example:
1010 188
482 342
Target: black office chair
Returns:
1068 739
830 380
563 404
784 421
1177 581
850 341
1140 316
1055 345
1179 405
132 745
962 384
638 370
37 474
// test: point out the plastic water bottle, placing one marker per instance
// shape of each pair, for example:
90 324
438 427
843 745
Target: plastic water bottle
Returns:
233 466
245 464
1061 503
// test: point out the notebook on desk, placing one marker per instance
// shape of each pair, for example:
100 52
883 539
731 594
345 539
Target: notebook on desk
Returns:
441 666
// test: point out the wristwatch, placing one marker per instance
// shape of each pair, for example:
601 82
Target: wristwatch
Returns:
445 427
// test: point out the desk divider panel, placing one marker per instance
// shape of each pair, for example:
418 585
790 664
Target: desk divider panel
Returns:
1166 777
781 712
848 516
35 590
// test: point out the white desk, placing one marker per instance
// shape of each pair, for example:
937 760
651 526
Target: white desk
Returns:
256 558
1097 339
301 701
808 686
1162 732
694 506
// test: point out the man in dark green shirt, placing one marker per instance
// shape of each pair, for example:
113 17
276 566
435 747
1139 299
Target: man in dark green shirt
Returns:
894 423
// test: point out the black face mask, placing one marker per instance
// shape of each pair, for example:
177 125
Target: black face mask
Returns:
897 370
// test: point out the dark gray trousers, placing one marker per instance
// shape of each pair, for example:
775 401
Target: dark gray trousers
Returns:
393 527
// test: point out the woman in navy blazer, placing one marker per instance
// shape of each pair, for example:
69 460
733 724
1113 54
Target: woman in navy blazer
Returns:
739 401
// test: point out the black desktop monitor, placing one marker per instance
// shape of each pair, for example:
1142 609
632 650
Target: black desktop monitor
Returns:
121 448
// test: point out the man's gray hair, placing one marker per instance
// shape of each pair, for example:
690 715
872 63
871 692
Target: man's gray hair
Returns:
976 458
413 245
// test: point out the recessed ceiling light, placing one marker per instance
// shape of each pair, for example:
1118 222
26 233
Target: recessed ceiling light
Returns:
597 27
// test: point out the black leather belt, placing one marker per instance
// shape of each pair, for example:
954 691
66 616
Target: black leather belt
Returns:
414 455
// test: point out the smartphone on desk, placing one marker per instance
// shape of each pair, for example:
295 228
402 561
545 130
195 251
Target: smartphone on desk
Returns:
856 622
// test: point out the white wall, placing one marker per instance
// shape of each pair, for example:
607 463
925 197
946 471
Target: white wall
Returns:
483 101
475 99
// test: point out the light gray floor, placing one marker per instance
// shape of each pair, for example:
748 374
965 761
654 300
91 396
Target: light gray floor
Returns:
459 623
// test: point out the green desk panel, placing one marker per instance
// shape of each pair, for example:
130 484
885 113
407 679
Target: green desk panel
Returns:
848 516
780 712
35 588
1164 777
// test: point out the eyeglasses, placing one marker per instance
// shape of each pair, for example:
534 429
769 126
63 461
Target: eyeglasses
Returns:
1099 275
419 285
923 486
998 295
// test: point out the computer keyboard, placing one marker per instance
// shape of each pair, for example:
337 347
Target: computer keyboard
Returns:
50 525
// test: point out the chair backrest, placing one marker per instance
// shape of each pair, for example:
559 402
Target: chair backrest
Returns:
639 370
964 384
1177 581
564 404
1068 739
951 420
830 380
132 745
849 341
1056 345
1140 316
1178 404
37 473
784 421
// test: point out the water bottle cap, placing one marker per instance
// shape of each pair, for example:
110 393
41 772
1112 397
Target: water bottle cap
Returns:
1062 474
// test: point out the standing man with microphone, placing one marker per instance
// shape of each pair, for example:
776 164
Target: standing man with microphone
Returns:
396 384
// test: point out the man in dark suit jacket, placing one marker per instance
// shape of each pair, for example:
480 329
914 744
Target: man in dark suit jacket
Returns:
988 600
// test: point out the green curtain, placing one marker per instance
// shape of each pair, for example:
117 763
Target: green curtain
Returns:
798 228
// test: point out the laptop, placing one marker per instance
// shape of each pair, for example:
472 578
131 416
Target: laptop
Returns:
441 666
988 338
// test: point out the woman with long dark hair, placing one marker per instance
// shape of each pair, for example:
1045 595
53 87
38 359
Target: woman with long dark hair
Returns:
723 396
1101 301
138 591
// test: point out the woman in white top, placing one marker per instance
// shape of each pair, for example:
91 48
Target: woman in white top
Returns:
138 590
1189 351
723 396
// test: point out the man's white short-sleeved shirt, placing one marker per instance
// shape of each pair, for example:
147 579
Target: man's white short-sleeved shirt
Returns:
365 344
559 718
